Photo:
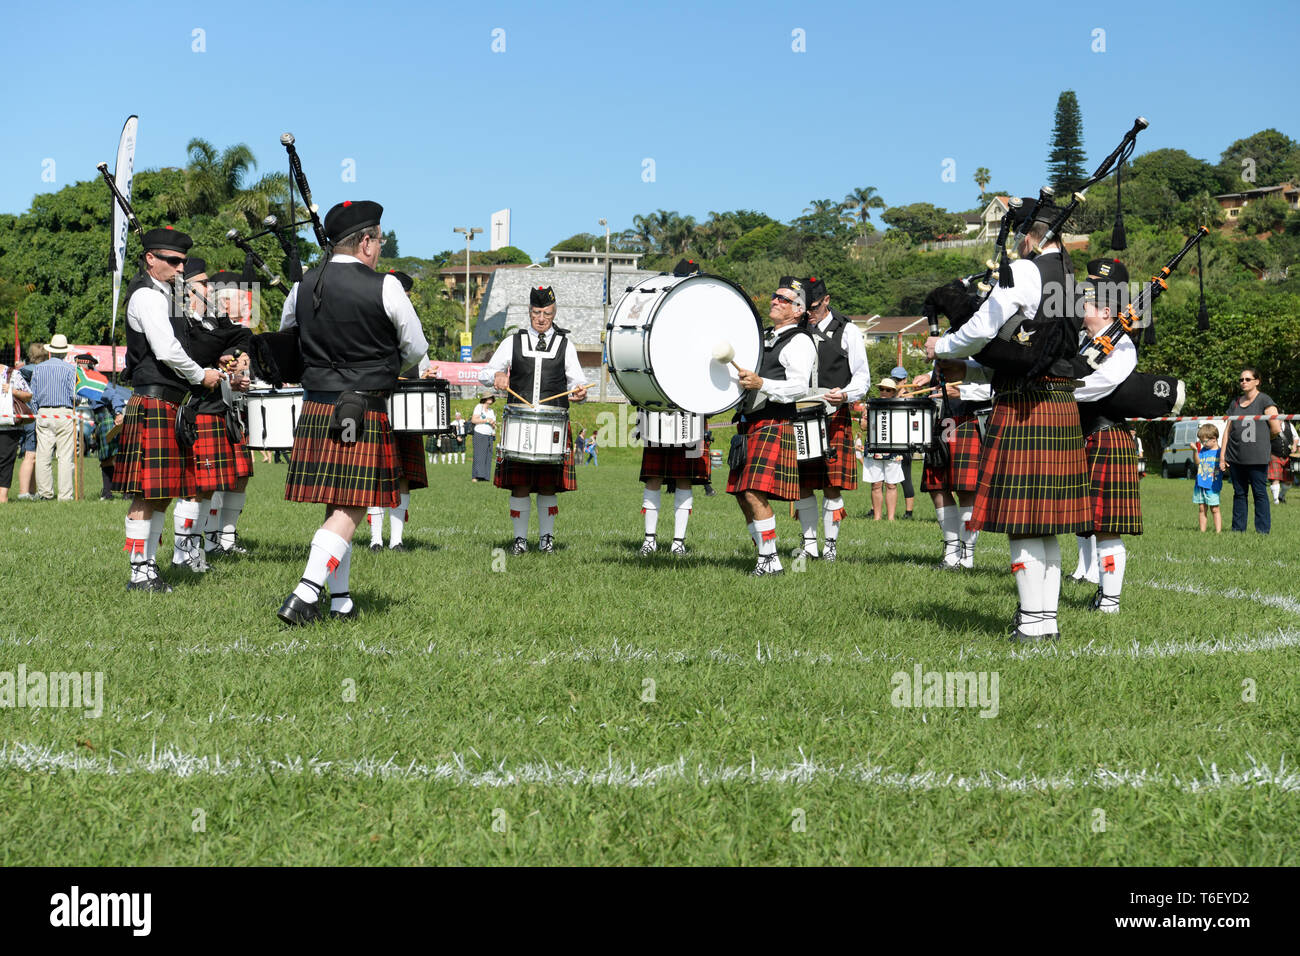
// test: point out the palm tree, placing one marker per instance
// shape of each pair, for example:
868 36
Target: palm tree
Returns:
861 201
213 180
653 228
715 234
982 177
679 234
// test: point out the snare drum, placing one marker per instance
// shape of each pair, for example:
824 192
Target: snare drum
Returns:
272 417
899 426
661 339
672 429
810 440
420 407
535 434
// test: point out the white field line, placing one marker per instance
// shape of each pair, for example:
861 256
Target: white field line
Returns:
1279 601
169 762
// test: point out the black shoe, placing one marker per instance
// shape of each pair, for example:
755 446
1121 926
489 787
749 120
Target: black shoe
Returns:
397 547
1020 637
376 546
649 545
152 584
907 516
1103 602
679 547
708 490
342 615
296 611
235 548
765 566
871 512
546 544
520 547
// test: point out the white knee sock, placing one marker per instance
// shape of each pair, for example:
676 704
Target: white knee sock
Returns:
337 582
832 515
548 506
137 532
753 534
1112 557
208 522
966 536
948 517
185 519
1081 568
682 501
397 519
766 529
1028 562
1051 577
327 552
1277 490
806 509
232 505
650 508
519 509
156 525
375 518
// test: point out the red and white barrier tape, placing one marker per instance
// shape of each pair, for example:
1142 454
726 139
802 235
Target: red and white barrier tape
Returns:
1218 418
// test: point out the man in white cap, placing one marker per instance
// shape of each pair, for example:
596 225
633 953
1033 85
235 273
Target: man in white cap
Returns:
54 384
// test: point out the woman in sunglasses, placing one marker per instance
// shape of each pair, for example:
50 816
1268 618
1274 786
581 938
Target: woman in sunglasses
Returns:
1246 451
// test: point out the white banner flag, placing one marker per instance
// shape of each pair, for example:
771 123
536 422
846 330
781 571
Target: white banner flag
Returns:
123 172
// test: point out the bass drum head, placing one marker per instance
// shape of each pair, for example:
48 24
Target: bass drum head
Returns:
695 315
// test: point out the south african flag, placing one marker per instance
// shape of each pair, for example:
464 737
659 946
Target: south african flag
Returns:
90 384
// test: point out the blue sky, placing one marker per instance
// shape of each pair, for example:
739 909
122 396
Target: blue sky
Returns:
558 126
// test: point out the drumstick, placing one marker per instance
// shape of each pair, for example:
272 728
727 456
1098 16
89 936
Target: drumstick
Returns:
562 394
520 397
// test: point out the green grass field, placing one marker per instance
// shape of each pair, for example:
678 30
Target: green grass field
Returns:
501 711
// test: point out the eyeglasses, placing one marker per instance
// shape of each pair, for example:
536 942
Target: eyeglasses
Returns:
778 296
1247 380
170 260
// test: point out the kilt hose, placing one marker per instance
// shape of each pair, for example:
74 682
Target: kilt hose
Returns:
771 466
410 459
839 468
215 463
1113 481
534 475
1033 475
326 471
669 461
963 469
1277 468
150 463
105 447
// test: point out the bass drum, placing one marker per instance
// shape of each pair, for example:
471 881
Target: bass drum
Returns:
662 336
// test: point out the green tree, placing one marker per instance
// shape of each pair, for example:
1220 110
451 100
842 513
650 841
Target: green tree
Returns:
861 201
982 178
923 221
1065 161
1263 215
1268 158
389 248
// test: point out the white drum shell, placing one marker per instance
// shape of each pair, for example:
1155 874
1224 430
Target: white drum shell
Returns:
419 411
535 434
898 429
672 429
272 417
810 440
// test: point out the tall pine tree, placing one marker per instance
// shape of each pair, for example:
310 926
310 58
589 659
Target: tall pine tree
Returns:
1065 162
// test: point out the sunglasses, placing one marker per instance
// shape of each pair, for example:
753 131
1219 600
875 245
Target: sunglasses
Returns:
1247 380
778 296
170 260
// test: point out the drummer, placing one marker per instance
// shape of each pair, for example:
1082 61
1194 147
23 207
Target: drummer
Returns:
764 461
534 364
410 459
842 369
681 465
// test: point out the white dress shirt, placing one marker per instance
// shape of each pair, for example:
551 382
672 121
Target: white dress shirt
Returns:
799 359
1001 305
411 342
860 371
501 358
974 391
147 312
1111 373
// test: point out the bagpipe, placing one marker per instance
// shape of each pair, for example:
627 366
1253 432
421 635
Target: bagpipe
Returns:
1142 394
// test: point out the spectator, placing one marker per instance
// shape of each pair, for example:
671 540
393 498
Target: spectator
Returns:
580 446
1209 476
883 472
12 385
484 420
27 470
459 429
899 374
1280 462
1246 452
591 451
54 384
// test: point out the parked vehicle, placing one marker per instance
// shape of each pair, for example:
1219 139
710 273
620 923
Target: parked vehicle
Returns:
1179 457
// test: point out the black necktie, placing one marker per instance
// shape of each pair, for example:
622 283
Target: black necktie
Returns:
541 341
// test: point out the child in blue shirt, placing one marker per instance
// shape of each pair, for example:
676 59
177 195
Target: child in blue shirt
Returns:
1209 476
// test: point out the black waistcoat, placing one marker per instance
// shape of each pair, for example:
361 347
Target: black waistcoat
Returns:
770 367
524 363
142 366
1044 345
206 347
832 356
351 342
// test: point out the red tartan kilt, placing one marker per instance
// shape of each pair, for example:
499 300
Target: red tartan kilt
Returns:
1113 482
839 469
324 470
510 473
666 461
150 462
410 459
1277 469
963 470
771 463
214 463
1033 474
